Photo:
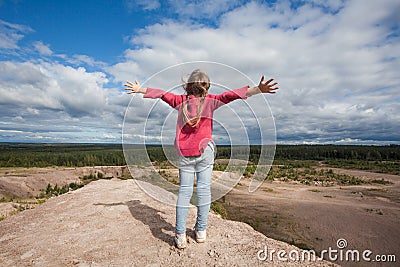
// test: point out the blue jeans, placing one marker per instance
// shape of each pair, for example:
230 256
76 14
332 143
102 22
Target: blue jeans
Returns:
202 166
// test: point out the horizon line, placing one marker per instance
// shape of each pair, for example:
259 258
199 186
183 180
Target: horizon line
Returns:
158 144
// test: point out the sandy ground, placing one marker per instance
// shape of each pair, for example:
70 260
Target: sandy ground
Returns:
30 182
366 216
24 184
314 217
113 223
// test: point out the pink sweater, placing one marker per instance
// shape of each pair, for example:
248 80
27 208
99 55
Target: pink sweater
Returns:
191 141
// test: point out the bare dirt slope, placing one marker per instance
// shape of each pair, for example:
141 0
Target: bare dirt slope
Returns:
113 223
30 182
367 216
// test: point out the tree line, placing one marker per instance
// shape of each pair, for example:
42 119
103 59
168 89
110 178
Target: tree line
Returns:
69 155
78 155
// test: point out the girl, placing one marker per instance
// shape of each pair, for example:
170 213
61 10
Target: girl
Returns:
193 141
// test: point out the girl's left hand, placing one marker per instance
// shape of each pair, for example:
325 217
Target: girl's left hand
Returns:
268 86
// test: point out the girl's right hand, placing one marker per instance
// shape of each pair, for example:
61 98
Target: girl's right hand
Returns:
134 87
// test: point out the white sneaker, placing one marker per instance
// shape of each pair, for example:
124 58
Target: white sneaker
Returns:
180 240
200 236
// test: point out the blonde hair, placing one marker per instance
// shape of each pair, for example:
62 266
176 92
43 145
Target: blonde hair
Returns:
197 84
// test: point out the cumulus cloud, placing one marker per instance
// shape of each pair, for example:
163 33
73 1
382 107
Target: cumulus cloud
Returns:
52 86
335 61
57 103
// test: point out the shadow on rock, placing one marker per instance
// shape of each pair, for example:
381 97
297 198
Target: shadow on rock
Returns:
148 216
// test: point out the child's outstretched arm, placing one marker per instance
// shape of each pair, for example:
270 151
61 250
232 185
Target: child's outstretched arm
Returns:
134 87
170 98
268 87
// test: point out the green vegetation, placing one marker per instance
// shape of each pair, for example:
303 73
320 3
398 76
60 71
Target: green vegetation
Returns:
381 181
4 199
21 207
219 208
391 167
385 159
316 190
69 155
311 176
20 204
94 177
299 245
58 190
77 155
376 211
345 152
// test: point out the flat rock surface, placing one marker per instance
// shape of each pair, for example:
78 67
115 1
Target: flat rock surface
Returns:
114 223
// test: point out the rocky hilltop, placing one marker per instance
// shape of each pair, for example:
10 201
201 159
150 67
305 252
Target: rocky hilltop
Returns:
114 223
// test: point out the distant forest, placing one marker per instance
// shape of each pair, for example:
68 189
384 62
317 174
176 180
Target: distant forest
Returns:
78 155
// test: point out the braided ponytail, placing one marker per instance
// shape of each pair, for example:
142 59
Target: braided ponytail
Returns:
197 85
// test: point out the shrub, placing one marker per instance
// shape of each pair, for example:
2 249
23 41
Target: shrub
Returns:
382 181
219 209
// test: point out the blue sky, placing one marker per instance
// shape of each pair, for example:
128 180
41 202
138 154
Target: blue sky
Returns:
63 63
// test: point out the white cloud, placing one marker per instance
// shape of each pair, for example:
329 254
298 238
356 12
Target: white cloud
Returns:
202 9
57 103
11 33
52 86
84 59
335 63
42 48
10 131
331 5
132 5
